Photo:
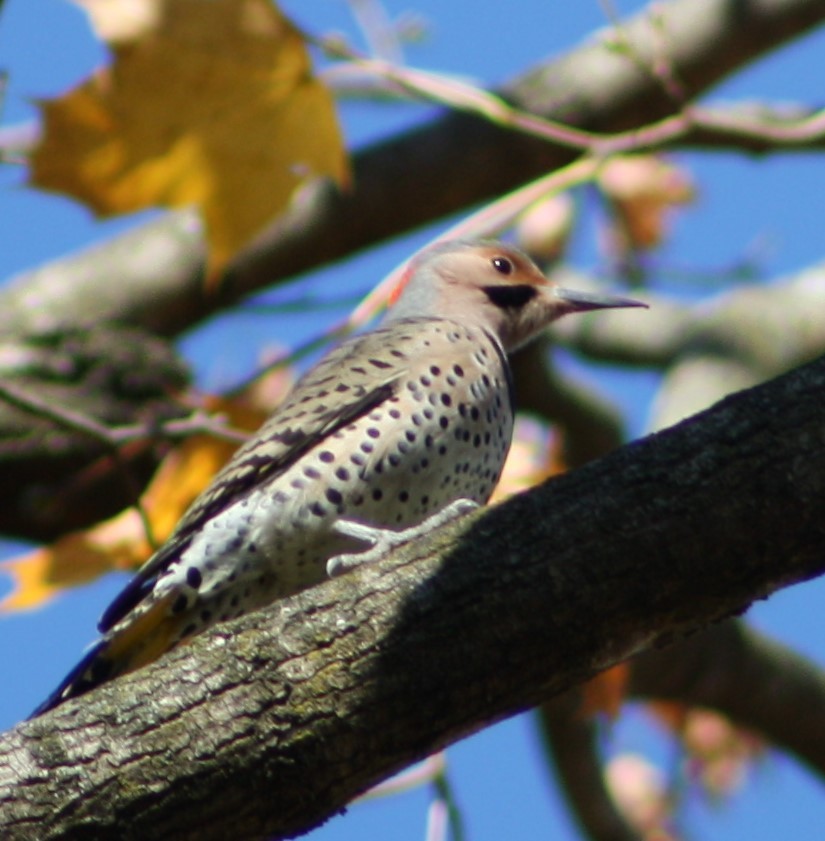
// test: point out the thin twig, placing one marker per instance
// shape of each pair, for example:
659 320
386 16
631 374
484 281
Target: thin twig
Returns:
60 415
465 97
442 785
198 422
378 29
488 221
438 821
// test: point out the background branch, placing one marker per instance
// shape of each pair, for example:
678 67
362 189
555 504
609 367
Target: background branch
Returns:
448 164
730 668
57 476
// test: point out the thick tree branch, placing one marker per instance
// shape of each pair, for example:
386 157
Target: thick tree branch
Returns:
270 724
443 167
732 324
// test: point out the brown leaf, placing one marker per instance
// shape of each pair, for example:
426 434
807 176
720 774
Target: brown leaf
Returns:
544 229
643 190
640 791
718 752
606 692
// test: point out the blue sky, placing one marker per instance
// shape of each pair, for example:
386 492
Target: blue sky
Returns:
500 777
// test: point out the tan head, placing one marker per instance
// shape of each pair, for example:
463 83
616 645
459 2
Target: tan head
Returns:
491 284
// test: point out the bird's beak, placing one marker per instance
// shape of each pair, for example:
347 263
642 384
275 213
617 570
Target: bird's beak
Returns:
582 301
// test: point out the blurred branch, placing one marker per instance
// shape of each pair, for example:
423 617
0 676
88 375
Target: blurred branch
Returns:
709 349
591 426
378 29
86 425
60 393
754 681
321 695
735 323
197 423
443 167
571 741
765 126
757 682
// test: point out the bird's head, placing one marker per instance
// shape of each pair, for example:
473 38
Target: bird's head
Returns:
491 284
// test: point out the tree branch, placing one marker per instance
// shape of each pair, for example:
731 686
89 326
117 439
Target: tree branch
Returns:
56 475
443 167
756 682
269 724
572 746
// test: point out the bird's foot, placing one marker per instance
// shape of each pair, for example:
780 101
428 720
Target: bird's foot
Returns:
381 541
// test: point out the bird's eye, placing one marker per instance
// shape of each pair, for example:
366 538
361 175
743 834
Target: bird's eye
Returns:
502 265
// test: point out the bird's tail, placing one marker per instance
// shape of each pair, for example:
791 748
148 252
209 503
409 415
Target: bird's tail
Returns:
91 671
126 647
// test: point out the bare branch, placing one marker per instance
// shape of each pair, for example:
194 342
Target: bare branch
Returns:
572 742
62 391
732 325
436 170
756 682
197 423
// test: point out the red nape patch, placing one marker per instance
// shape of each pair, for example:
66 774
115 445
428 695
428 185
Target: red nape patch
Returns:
395 294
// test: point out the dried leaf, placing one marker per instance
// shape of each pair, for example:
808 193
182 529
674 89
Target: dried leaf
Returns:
543 230
719 752
75 559
640 792
209 104
606 692
643 190
670 714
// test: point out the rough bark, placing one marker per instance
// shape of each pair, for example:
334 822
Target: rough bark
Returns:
270 724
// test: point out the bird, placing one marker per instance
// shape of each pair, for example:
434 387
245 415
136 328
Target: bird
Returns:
392 433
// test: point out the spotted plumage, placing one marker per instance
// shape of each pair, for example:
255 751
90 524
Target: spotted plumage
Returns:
389 429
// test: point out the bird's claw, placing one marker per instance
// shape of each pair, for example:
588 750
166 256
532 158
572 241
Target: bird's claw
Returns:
382 541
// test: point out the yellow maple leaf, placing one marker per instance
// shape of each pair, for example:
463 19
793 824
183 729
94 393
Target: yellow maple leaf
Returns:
208 104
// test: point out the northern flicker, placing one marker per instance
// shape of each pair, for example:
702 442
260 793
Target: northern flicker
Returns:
408 424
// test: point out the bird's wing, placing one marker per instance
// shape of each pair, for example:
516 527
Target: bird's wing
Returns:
348 383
